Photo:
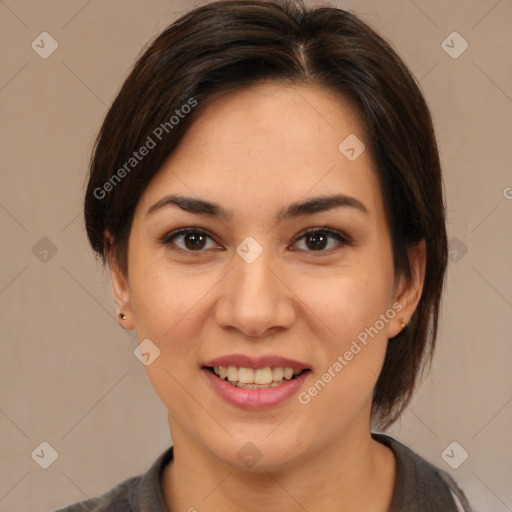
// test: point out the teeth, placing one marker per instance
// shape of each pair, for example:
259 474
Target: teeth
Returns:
255 379
232 374
246 375
277 373
263 376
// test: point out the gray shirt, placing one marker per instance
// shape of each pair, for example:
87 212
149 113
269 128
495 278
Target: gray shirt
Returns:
419 487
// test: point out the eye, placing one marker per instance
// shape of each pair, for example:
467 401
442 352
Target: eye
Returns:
320 239
189 240
317 239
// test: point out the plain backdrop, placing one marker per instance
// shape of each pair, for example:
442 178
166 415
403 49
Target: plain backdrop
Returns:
68 374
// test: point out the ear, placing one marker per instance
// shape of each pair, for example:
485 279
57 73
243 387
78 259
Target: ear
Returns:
121 290
408 291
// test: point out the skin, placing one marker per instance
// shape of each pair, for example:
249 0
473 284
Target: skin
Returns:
270 145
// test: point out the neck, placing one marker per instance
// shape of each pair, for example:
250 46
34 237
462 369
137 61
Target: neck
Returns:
349 475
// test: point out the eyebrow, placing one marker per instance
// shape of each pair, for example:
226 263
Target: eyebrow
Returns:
212 209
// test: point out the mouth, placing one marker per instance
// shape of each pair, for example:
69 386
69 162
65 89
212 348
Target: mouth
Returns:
256 378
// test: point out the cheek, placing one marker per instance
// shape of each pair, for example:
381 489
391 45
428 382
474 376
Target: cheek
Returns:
165 297
347 303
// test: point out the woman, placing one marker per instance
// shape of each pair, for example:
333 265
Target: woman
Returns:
267 193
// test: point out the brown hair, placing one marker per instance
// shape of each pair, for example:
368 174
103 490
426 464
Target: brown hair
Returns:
227 45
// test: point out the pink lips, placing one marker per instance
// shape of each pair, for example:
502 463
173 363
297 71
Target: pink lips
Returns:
255 399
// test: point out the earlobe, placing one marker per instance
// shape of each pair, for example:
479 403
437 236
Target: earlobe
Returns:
408 292
121 290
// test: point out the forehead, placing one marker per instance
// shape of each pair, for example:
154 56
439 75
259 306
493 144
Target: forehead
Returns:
268 143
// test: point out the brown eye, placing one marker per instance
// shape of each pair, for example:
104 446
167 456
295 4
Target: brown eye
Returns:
189 240
194 240
316 241
319 239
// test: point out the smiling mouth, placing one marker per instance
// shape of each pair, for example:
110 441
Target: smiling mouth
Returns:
260 378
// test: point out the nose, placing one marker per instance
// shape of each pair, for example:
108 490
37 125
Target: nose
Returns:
255 298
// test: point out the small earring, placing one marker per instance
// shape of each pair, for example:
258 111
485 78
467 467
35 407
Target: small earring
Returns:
402 324
122 316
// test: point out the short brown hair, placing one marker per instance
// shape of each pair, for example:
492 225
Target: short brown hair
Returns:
227 45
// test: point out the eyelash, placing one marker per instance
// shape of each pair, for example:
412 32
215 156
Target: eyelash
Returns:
343 239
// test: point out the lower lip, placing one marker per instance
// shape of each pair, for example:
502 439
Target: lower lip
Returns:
255 399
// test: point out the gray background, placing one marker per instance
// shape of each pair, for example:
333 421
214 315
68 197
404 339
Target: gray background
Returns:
69 376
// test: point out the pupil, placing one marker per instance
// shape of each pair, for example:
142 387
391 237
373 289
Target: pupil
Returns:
194 241
318 240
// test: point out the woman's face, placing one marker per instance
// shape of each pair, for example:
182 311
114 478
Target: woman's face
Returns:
245 287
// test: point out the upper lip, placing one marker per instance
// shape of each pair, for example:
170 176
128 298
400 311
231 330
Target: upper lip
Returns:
244 361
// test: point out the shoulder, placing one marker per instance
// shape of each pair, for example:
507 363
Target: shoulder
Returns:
116 500
135 494
421 486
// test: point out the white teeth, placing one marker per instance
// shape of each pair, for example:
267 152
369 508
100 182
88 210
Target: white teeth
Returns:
232 373
246 375
259 378
277 373
288 373
263 376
